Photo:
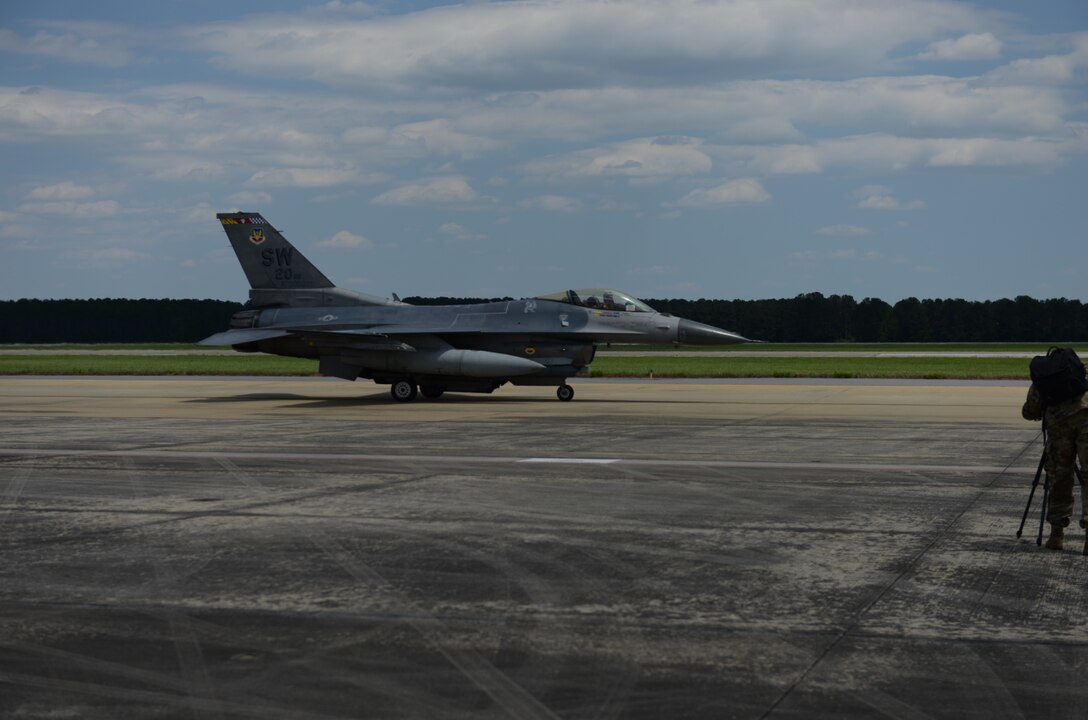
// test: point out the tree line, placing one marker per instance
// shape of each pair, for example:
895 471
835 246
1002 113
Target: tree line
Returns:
811 317
113 321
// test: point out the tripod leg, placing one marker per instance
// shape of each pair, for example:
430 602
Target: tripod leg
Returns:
1042 514
1034 484
1079 470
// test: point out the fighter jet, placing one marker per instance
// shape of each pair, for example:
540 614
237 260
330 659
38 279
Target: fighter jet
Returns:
295 310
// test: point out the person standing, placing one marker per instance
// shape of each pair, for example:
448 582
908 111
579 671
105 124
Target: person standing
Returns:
1057 397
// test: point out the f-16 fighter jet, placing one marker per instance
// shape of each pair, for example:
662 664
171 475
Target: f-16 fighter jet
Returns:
295 310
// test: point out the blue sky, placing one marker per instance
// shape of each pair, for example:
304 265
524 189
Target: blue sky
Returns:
722 149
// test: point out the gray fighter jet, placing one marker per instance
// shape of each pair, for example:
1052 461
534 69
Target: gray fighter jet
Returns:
295 310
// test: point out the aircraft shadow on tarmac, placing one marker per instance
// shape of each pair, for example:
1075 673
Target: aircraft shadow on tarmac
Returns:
251 397
382 398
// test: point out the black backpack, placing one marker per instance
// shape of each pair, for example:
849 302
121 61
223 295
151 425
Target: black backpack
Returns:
1058 375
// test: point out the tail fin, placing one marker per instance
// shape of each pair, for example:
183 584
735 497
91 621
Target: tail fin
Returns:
279 275
269 261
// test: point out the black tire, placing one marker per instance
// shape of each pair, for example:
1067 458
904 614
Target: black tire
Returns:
403 391
431 392
565 393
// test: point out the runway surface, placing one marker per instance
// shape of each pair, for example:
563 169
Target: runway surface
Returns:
286 548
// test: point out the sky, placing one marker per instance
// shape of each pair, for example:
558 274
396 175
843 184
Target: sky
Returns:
728 149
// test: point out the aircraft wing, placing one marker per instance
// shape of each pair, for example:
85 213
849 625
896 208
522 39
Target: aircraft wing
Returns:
379 335
393 331
377 331
379 340
240 337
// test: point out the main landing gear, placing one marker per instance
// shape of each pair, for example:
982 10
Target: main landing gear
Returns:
431 392
404 390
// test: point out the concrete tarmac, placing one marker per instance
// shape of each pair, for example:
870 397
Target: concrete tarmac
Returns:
305 548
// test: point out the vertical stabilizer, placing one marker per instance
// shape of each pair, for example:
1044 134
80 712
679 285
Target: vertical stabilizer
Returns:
269 261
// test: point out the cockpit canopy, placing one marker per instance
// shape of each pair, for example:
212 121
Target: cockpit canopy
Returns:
600 299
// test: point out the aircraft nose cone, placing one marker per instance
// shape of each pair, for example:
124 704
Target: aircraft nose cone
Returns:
693 333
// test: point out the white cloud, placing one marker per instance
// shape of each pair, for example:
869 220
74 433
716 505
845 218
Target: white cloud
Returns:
105 257
84 43
770 111
100 209
437 136
345 239
642 159
10 227
202 213
21 235
843 231
442 190
552 203
808 256
302 177
171 167
66 190
879 197
974 152
972 46
735 192
368 135
48 112
357 8
519 45
189 133
461 233
882 153
612 204
251 199
1047 70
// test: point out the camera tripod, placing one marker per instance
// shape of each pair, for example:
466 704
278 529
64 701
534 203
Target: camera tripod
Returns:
1046 495
1046 499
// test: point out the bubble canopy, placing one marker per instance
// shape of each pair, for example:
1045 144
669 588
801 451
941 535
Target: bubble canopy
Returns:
599 299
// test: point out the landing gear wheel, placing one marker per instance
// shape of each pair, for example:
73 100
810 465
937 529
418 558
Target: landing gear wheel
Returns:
565 393
431 392
403 391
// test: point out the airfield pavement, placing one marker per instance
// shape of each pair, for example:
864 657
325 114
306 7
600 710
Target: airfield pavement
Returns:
307 548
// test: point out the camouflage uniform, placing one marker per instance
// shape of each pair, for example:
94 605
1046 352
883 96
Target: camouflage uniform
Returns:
1066 440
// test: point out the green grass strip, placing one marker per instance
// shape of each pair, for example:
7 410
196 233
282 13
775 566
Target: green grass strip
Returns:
818 367
89 347
240 364
831 348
